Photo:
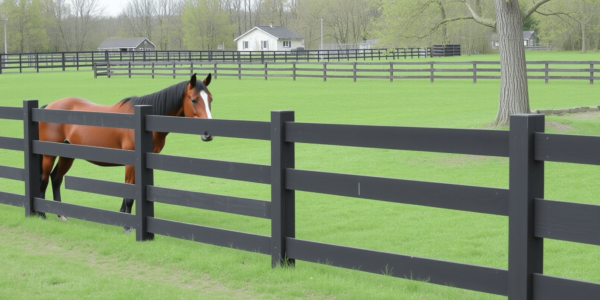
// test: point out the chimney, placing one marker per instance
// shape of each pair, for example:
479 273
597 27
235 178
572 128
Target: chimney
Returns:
271 25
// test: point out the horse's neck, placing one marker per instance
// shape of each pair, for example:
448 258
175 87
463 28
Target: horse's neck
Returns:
160 138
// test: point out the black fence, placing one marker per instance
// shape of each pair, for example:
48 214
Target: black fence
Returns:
474 70
445 50
68 60
531 217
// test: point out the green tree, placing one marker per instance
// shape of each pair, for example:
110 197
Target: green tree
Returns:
206 25
25 28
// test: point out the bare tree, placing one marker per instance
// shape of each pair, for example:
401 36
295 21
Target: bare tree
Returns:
140 17
86 15
167 13
57 14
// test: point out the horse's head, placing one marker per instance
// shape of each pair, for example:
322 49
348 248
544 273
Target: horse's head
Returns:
197 102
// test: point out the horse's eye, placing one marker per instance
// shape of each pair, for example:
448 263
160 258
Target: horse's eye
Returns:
194 101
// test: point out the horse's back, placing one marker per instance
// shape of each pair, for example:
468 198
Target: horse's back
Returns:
87 135
79 104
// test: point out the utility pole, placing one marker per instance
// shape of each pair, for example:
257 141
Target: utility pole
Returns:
5 48
321 33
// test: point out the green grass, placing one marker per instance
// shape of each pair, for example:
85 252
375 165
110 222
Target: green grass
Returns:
34 244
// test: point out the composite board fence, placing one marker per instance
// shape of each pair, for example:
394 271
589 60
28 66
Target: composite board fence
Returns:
532 218
474 70
13 62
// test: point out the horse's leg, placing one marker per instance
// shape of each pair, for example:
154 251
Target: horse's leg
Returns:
47 164
128 203
57 175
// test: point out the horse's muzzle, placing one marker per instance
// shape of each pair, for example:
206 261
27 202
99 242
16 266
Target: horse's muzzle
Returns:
206 137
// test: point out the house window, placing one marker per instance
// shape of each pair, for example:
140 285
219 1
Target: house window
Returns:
525 42
264 44
245 44
287 44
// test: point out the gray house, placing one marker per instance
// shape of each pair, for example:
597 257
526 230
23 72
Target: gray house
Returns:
127 44
530 39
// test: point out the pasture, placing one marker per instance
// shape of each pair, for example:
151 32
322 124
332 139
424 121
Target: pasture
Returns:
51 259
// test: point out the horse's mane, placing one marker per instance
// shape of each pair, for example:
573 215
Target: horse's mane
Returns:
163 101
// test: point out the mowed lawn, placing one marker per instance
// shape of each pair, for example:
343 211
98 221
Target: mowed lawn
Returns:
78 259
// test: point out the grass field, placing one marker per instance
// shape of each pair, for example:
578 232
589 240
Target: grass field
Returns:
77 259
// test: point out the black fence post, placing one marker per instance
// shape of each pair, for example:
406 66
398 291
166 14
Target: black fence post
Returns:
474 72
431 70
33 162
143 176
354 71
526 182
283 206
2 62
592 73
546 73
63 61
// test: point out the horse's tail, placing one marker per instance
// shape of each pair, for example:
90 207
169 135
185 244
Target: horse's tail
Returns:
43 106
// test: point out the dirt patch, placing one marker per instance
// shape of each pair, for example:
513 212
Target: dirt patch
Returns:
558 126
113 267
583 115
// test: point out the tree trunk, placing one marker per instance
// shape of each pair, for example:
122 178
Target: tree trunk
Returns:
514 94
583 39
444 28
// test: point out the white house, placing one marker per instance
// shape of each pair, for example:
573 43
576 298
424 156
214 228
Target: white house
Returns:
269 38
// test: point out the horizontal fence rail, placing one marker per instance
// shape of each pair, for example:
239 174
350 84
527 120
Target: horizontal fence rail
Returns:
474 70
65 60
483 279
531 217
451 196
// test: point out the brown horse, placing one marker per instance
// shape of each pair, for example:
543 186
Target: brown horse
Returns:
189 99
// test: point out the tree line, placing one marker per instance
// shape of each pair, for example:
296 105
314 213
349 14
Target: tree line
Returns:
81 25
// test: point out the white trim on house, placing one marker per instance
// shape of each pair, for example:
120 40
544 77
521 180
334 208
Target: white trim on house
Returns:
269 38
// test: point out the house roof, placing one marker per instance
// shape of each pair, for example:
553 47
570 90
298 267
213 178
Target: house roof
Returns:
123 43
279 32
528 34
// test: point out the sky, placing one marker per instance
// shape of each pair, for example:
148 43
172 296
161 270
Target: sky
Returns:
113 7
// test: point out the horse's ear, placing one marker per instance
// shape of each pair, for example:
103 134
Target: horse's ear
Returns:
207 79
193 81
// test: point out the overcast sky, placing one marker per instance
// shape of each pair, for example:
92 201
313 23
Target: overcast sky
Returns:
113 7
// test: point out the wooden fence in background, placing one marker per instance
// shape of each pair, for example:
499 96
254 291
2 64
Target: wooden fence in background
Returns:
75 60
474 70
531 217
